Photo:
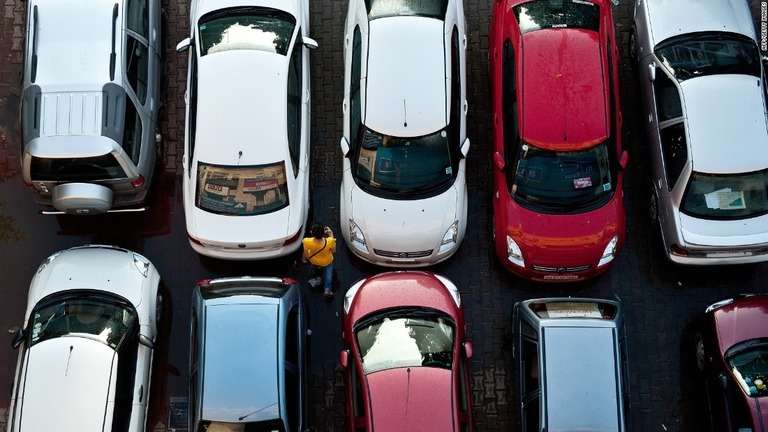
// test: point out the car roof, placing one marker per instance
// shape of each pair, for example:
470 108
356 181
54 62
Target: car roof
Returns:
205 6
726 123
581 387
242 103
564 104
406 82
74 42
240 359
671 18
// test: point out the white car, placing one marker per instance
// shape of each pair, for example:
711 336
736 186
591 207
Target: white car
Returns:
704 101
246 149
86 347
404 192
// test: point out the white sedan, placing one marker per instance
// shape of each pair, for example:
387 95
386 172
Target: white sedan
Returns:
246 150
403 192
85 351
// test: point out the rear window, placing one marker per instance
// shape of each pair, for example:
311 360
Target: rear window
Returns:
543 14
246 29
241 190
104 167
574 309
716 196
427 8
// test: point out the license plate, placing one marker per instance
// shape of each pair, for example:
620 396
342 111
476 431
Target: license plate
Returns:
729 254
561 277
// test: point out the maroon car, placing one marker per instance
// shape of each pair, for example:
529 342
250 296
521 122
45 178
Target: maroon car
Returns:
405 356
732 351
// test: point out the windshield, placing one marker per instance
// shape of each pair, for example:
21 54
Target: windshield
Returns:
700 54
92 318
405 164
542 14
562 181
718 196
246 28
241 190
405 340
265 426
426 8
749 363
85 169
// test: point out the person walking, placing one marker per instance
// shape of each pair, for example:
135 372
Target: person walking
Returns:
318 251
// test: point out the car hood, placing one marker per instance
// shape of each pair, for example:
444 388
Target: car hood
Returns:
68 386
724 233
404 225
258 230
415 399
743 319
565 240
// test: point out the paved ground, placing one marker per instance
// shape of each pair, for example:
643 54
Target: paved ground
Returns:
661 301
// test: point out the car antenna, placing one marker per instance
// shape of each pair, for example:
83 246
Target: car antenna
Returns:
258 410
239 156
405 115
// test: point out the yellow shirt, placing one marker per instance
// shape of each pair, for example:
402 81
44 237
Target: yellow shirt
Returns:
322 258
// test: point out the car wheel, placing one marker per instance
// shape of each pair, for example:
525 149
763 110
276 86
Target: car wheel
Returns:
653 209
699 347
633 56
159 308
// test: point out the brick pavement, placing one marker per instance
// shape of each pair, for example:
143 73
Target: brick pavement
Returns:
661 301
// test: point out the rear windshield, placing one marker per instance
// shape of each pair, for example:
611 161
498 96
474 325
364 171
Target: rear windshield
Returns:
241 190
700 54
104 167
426 8
246 29
717 196
543 14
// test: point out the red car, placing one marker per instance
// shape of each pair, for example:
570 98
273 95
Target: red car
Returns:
558 198
732 352
405 355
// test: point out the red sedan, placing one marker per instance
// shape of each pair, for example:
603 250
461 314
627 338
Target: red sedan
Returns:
406 355
732 351
558 189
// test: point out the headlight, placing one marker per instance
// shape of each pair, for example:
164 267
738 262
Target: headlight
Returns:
610 252
356 237
449 238
351 293
514 254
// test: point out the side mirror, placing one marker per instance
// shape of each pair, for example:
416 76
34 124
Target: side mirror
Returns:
183 45
344 146
344 358
146 341
498 160
465 147
624 159
723 381
469 351
651 72
309 42
18 336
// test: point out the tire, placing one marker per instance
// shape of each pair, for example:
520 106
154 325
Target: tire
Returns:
633 54
653 209
698 346
159 308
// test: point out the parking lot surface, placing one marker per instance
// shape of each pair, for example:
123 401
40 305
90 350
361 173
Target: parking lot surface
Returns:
662 302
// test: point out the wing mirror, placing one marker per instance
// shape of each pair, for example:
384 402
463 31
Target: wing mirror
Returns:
183 45
498 160
309 42
469 350
18 336
652 72
465 147
344 146
624 159
146 341
344 358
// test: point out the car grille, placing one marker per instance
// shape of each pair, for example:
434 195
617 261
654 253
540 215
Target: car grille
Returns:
405 255
561 270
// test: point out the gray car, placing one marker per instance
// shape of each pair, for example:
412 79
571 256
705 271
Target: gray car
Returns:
248 356
91 95
704 110
571 365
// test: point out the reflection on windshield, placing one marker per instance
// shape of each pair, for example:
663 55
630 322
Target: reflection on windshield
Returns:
85 169
246 29
727 196
543 14
749 365
562 180
702 54
82 317
265 426
241 190
396 342
405 164
426 8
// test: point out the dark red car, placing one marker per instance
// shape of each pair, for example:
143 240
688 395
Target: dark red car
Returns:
406 355
732 352
558 188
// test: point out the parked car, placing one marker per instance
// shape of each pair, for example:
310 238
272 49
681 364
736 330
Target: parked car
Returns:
558 212
403 188
405 356
703 90
90 98
247 358
732 352
86 346
571 365
246 146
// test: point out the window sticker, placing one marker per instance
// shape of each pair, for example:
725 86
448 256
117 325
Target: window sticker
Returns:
583 182
725 199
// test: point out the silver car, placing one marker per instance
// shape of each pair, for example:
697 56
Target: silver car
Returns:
91 95
571 364
248 356
703 92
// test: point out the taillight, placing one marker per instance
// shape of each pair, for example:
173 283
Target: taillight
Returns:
203 282
138 182
194 240
290 281
29 186
677 250
293 238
